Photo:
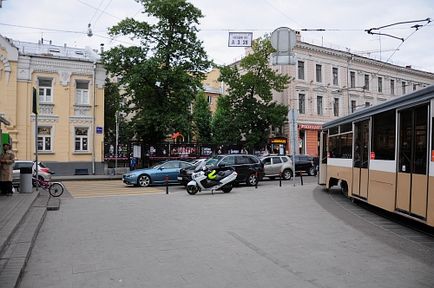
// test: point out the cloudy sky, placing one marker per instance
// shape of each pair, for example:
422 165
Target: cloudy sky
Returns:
66 21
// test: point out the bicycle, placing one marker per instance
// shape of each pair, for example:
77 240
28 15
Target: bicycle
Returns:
54 188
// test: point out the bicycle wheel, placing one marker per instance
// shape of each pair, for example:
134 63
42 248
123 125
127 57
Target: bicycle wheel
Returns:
56 189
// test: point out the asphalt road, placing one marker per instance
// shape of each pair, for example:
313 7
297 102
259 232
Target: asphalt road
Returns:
289 236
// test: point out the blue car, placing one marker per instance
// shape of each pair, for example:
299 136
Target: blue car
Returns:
156 174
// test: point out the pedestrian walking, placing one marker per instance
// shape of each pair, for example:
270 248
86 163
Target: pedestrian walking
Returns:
7 159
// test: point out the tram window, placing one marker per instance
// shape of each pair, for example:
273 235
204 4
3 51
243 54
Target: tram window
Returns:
334 130
346 128
432 141
420 144
324 149
341 146
383 136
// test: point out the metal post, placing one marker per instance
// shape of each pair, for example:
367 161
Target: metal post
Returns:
117 140
257 180
280 179
36 151
167 184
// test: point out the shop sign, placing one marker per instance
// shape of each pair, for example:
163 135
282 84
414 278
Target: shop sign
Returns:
278 141
309 127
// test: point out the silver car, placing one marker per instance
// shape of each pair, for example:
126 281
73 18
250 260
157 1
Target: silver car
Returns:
44 173
276 166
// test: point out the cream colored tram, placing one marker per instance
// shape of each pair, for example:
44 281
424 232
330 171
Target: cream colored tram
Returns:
384 155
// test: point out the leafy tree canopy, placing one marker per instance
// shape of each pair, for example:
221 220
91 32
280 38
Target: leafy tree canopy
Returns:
250 94
162 73
202 119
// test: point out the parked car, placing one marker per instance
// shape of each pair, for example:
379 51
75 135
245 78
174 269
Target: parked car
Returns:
185 173
305 163
44 173
249 168
275 165
156 174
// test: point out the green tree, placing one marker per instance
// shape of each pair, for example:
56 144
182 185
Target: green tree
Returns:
250 94
163 72
113 105
202 119
224 128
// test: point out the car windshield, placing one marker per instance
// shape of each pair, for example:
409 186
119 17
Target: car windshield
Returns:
213 161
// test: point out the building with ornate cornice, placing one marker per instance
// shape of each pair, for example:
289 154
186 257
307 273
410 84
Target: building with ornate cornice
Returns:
70 86
329 83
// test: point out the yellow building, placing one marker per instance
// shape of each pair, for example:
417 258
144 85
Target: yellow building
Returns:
70 86
213 88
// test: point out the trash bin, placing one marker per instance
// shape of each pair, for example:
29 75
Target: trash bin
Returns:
26 180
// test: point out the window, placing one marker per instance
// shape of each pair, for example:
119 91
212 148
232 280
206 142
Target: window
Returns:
209 99
44 138
352 79
301 104
82 93
403 85
353 106
367 104
318 73
336 107
341 146
45 90
266 161
366 82
300 70
380 84
276 160
335 76
383 135
414 87
392 87
81 139
319 108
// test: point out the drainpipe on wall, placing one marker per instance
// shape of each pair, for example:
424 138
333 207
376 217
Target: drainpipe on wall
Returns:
94 118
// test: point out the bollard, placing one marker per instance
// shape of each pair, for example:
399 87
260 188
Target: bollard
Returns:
280 179
167 184
257 180
301 178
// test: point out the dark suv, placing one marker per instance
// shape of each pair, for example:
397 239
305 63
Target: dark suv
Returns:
305 163
249 168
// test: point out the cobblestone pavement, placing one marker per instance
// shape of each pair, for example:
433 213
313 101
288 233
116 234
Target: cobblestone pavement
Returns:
267 237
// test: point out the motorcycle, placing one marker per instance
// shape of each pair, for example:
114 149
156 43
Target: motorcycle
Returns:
206 180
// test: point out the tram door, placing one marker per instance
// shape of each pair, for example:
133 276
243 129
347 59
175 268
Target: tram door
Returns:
322 177
412 182
361 159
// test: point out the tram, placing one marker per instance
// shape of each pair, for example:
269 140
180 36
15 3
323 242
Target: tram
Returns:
384 155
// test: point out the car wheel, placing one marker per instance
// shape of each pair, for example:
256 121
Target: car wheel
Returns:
287 174
252 179
312 171
144 181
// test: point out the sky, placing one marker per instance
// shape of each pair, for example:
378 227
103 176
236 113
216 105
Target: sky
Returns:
345 22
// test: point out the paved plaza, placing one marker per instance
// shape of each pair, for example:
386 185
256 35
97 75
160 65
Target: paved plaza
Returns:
267 237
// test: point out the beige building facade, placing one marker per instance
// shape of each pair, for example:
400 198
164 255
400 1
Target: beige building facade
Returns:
70 91
328 83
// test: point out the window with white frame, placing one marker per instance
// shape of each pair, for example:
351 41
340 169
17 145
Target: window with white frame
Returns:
403 85
352 79
301 103
300 70
353 106
319 105
380 84
45 90
82 92
209 99
392 87
366 87
44 138
318 73
336 107
335 76
81 139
